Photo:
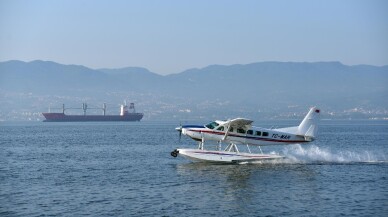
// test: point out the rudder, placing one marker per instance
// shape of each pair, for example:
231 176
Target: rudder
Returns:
309 126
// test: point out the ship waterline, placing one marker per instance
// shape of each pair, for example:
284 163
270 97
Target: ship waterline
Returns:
60 117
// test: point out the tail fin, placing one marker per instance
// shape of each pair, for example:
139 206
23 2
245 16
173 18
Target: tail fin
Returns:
309 126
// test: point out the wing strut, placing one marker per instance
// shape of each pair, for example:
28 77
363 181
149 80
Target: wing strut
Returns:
226 131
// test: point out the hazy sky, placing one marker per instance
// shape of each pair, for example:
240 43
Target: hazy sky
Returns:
173 35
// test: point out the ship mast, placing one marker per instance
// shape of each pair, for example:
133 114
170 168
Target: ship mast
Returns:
84 107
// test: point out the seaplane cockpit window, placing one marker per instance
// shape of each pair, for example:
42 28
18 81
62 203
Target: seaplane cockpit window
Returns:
220 128
239 130
231 129
250 132
265 133
212 125
258 133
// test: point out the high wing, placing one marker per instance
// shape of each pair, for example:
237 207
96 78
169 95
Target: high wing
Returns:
238 123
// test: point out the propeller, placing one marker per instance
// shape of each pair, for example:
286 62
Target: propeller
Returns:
180 131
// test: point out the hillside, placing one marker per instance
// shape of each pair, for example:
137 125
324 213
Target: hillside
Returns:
258 89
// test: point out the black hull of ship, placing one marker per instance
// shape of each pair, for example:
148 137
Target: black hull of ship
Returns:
60 117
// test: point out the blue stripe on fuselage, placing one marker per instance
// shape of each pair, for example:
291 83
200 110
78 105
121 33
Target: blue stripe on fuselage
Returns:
193 126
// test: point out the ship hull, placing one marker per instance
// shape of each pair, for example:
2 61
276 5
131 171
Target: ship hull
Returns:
60 117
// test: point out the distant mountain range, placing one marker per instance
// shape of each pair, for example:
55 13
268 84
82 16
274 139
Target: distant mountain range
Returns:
259 89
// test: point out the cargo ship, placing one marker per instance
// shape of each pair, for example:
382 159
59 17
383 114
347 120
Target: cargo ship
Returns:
126 114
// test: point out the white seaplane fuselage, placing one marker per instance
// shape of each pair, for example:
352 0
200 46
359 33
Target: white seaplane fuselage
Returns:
240 131
254 136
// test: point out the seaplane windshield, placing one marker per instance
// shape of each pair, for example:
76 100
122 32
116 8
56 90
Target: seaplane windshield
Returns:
211 125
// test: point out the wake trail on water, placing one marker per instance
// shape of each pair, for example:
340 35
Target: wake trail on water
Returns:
315 154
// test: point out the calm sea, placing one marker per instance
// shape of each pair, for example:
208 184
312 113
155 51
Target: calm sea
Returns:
125 169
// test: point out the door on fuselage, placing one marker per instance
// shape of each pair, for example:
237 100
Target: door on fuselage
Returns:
242 134
214 126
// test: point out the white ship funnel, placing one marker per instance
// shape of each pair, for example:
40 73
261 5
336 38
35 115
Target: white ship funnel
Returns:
124 110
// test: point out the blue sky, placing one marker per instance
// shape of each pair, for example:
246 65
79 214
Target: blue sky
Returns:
173 35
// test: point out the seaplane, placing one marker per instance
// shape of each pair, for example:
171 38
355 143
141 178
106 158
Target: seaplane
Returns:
239 131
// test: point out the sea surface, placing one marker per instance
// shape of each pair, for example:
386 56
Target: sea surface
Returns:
125 169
